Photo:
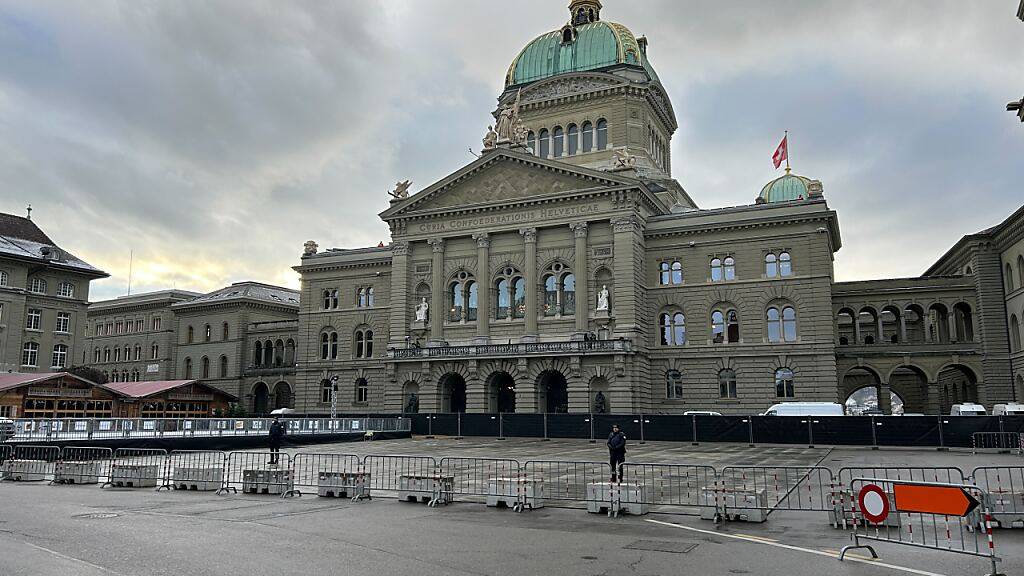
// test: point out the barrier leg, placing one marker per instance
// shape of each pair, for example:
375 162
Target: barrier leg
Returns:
857 545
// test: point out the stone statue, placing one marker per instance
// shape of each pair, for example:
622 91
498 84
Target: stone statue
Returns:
309 248
401 190
412 405
602 298
509 126
490 139
623 159
600 403
421 310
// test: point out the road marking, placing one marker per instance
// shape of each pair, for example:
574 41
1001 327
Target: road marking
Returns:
798 549
73 559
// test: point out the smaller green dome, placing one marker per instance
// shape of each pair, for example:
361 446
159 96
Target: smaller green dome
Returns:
784 189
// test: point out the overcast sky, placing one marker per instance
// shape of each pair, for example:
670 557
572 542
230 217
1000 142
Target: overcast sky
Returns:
213 138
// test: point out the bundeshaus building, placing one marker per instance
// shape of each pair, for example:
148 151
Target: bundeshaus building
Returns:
566 270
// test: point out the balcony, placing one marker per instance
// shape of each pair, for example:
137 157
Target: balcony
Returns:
515 350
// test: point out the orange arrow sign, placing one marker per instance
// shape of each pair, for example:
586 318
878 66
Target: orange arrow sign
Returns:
943 500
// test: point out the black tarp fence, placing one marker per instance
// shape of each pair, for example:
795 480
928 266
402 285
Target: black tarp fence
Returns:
917 431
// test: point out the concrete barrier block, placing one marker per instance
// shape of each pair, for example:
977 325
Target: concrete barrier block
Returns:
508 491
134 475
343 484
69 472
24 470
603 497
206 478
267 481
425 487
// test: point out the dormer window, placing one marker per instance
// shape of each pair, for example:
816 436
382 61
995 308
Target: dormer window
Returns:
568 35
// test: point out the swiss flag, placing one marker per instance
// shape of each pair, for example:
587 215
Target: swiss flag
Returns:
782 152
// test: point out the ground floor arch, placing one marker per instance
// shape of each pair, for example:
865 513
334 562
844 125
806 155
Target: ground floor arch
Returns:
552 392
501 392
865 400
452 393
957 384
260 398
282 395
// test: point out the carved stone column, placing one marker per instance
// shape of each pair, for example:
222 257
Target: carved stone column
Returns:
483 287
437 291
884 398
951 319
903 327
583 303
628 246
530 277
398 318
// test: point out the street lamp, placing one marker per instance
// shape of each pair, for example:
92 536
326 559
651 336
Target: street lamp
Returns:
334 397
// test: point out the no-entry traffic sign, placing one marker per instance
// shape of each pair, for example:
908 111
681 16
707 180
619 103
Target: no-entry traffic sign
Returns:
926 499
873 503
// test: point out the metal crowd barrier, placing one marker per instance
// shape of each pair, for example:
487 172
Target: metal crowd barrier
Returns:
764 489
82 465
137 468
260 473
998 441
843 515
201 470
565 482
474 479
673 488
331 475
412 478
5 452
29 463
1004 488
936 531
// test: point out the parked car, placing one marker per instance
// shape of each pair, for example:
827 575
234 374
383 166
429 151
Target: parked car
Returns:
6 429
805 409
967 409
1008 410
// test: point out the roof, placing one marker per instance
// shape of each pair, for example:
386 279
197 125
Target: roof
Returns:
596 45
784 188
162 297
21 238
145 389
990 232
12 380
247 292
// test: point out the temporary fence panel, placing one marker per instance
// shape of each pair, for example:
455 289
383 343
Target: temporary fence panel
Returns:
805 488
83 465
997 441
629 425
673 488
565 483
337 475
260 473
667 427
386 471
776 430
907 431
137 468
957 431
570 426
474 479
524 425
470 425
840 430
30 463
721 428
201 470
929 522
1004 488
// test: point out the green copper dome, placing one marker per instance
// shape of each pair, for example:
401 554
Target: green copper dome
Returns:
785 188
594 45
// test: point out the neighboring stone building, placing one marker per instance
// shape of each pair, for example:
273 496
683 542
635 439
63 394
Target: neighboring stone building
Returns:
44 292
181 335
565 269
131 338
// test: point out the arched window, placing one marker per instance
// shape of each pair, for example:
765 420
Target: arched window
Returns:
206 367
730 268
504 309
456 301
781 324
785 264
225 331
544 143
364 343
568 291
677 272
674 385
37 286
207 333
334 345
472 298
328 345
362 391
727 383
1014 333
557 141
588 137
106 354
66 289
789 324
462 295
361 298
519 298
1020 270
369 296
359 343
154 351
1009 279
573 139
268 353
368 337
550 296
511 295
784 383
325 391
188 368
223 366
96 355
191 335
531 141
673 328
327 299
602 134
725 327
137 352
666 275
771 265
716 270
774 325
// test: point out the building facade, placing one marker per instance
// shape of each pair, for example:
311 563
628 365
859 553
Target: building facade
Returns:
566 270
44 295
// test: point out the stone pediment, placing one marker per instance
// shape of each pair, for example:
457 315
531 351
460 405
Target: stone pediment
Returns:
504 177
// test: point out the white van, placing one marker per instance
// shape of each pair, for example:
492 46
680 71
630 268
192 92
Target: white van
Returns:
1008 410
967 409
805 409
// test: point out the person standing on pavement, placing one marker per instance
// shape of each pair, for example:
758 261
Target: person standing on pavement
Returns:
276 435
616 452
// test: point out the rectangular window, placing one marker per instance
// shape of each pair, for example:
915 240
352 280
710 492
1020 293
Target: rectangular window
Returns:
30 354
156 323
138 326
60 356
34 319
63 322
6 411
119 328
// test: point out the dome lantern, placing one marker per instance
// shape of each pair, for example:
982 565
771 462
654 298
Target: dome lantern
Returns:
584 11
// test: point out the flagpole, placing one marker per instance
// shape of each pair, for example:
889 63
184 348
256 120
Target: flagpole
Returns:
787 151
